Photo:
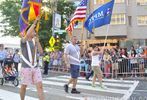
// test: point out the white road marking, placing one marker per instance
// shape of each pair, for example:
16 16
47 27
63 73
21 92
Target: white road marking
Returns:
75 98
140 90
31 88
7 95
108 80
130 91
116 83
89 82
93 98
87 87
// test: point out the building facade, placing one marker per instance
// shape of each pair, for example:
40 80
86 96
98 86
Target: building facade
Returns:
128 23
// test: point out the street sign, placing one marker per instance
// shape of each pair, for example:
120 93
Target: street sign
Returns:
59 31
52 41
57 21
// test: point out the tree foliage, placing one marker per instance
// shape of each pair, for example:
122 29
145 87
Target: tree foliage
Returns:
10 9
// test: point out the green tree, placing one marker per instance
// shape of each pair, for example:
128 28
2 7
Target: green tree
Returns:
65 9
10 9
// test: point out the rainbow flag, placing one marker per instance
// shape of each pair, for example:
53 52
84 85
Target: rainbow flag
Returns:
23 19
35 6
29 11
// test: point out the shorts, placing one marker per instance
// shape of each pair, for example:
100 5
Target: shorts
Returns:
114 66
55 62
97 71
30 76
74 70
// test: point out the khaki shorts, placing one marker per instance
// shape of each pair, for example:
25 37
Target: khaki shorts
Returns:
114 66
97 71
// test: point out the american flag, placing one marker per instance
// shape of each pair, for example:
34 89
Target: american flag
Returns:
80 14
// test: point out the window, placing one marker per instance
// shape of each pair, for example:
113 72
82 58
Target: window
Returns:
130 20
141 2
102 1
95 2
142 20
119 1
118 19
128 2
105 1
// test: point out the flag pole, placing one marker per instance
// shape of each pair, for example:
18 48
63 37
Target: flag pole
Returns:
82 31
106 37
82 35
38 23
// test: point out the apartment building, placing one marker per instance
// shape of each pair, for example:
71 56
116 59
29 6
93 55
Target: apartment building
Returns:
128 24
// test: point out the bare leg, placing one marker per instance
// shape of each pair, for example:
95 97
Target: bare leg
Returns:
66 85
94 80
39 87
70 81
100 79
23 91
113 73
74 83
74 90
116 72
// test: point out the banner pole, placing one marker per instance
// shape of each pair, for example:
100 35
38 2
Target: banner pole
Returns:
82 31
106 37
82 35
38 23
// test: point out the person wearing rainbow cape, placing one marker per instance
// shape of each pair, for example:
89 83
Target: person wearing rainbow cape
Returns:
30 71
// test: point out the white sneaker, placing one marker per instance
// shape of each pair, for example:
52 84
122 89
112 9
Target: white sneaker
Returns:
93 85
103 86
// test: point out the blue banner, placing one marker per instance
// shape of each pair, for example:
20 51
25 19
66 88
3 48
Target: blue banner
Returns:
100 16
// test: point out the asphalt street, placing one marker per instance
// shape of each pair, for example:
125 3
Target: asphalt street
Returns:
53 89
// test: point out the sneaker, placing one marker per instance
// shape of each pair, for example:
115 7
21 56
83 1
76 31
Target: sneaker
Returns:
93 85
103 86
66 88
74 91
45 73
87 79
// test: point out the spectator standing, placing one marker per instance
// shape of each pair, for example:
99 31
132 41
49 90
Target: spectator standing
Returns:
124 68
46 62
2 54
114 56
59 59
107 63
9 58
89 63
51 60
55 61
16 59
133 60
